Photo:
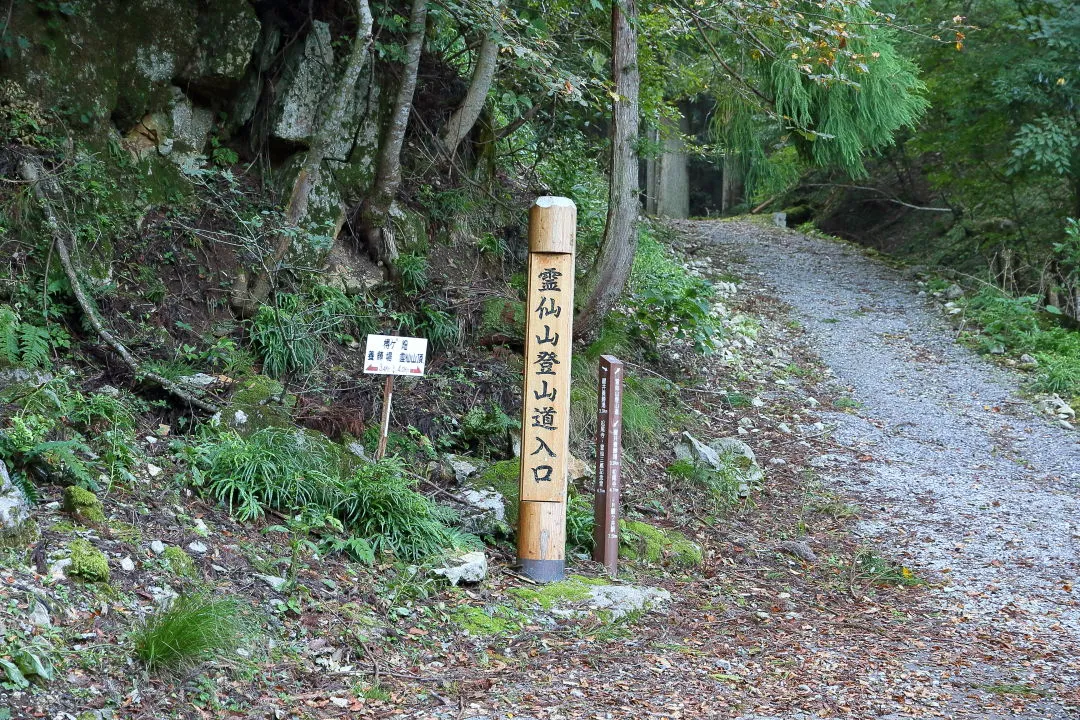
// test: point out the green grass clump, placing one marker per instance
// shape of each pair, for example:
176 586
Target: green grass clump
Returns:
276 468
295 471
380 502
649 406
193 628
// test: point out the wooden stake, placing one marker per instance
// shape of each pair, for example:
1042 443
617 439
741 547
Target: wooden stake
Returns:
545 412
608 463
388 395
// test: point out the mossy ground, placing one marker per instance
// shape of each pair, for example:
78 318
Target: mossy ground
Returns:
179 562
647 543
485 621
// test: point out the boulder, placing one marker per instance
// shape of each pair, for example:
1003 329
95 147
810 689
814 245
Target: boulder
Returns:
304 80
15 523
230 31
620 600
486 513
463 469
690 449
468 568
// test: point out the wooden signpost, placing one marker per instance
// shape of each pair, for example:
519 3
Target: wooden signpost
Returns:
608 463
392 355
545 415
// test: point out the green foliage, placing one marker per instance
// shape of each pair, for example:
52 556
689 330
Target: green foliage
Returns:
370 507
380 502
666 301
22 343
1016 324
580 520
192 629
726 485
487 430
876 570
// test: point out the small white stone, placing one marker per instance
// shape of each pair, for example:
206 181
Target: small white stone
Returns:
153 470
157 547
201 528
127 564
276 583
240 417
39 615
197 547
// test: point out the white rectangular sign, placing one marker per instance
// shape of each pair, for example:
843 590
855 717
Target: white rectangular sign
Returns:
394 355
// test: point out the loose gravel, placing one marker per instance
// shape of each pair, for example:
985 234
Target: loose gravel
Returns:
960 473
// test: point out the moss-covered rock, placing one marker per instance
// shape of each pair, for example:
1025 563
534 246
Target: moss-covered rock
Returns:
643 542
260 402
502 477
573 589
88 562
502 320
179 562
83 505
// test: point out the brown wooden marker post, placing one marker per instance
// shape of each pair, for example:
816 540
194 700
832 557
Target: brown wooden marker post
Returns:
545 413
608 463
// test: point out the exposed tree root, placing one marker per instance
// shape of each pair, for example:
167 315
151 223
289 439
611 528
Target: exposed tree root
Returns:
31 172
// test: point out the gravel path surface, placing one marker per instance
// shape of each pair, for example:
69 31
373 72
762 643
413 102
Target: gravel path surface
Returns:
966 479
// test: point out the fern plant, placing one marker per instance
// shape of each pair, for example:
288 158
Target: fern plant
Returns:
22 343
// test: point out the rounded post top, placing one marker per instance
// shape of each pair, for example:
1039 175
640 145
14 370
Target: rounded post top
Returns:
546 201
552 225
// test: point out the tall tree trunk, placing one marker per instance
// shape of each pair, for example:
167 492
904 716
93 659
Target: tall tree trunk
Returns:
612 269
373 215
487 57
245 298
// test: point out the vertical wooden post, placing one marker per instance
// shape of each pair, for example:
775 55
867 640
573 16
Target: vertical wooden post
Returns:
384 428
545 411
608 463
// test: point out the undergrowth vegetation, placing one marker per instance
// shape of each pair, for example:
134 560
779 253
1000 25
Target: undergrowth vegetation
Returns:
1019 325
297 472
191 629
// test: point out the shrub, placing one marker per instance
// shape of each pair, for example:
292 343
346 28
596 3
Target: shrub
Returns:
380 502
667 301
276 468
295 471
192 629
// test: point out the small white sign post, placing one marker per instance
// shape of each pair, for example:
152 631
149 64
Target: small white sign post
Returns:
392 355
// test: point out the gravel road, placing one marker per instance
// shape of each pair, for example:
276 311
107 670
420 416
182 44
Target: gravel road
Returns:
968 483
